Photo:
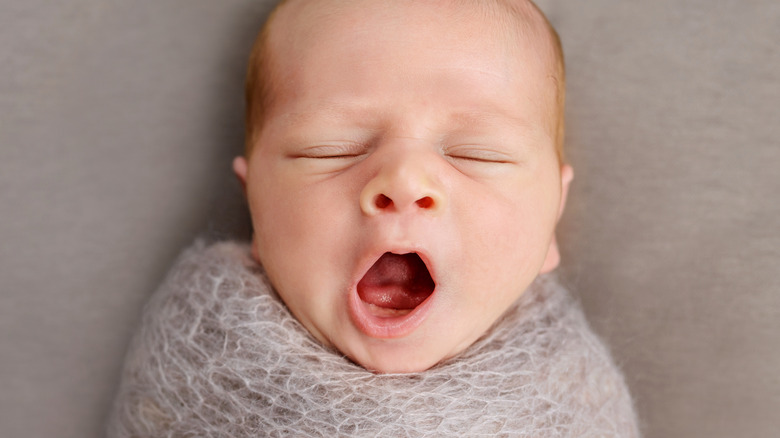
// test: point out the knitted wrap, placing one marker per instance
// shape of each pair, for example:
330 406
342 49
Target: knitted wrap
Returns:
219 355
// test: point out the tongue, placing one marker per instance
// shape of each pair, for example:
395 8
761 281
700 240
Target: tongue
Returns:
396 282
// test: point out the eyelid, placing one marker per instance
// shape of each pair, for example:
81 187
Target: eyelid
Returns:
479 154
334 150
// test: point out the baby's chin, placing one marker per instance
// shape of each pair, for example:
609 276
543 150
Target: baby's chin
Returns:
399 359
426 348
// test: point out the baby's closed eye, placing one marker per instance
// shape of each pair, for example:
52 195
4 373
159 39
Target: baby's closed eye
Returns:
478 154
335 150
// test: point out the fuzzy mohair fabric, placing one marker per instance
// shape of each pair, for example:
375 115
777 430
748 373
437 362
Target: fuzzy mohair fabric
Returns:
219 355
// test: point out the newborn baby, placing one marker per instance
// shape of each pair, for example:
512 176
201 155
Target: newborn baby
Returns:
404 173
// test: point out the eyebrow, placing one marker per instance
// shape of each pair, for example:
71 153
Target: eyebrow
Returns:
482 118
332 111
365 114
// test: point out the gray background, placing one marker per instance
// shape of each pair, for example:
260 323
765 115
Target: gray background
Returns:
118 121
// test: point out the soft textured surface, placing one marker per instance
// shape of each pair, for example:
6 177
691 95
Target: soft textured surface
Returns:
119 119
219 355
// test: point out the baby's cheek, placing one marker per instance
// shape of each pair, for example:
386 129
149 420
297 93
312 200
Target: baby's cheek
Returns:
505 242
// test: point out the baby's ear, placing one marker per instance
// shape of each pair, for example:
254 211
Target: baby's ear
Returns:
567 174
240 168
553 254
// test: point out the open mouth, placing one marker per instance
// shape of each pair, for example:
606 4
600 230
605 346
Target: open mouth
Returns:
395 285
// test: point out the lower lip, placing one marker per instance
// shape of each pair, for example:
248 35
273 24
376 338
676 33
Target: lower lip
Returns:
383 324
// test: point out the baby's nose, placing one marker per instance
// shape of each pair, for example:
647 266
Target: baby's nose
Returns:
403 184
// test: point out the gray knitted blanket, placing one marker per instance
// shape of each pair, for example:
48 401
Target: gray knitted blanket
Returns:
219 355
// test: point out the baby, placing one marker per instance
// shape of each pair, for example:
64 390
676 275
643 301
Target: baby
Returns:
404 169
404 173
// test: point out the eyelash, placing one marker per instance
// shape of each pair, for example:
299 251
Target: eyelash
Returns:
332 152
479 156
328 157
350 151
479 160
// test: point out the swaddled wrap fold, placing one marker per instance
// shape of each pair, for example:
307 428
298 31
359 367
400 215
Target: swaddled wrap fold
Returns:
219 355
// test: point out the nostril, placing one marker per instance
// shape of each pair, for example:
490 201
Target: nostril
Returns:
426 202
382 201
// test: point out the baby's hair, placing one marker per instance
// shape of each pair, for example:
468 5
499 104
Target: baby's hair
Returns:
259 91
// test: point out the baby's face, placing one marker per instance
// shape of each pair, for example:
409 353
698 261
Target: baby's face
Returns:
405 187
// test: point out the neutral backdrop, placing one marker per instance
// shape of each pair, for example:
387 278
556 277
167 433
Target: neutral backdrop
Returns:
118 122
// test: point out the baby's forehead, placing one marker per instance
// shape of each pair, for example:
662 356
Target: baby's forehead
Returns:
299 25
514 18
459 31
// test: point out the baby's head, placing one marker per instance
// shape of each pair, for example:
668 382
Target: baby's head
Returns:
404 169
